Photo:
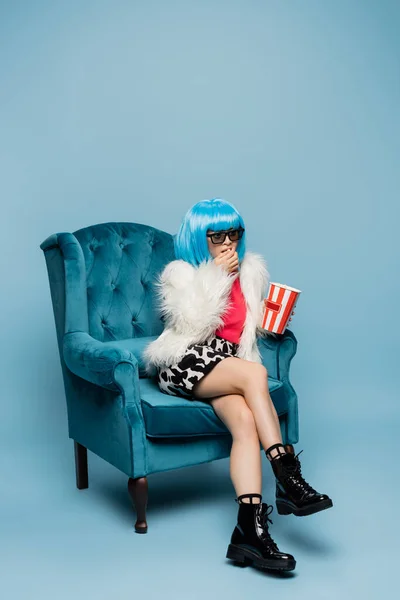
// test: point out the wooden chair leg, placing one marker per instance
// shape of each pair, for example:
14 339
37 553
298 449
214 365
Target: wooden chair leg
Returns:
138 491
81 466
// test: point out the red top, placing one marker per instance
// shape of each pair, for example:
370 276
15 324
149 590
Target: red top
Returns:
235 316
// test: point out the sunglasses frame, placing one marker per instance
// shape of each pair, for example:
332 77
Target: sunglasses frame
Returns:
227 233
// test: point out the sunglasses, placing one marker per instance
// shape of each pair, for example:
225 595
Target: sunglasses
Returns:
220 236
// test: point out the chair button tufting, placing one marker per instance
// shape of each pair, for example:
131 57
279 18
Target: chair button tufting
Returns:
121 244
113 286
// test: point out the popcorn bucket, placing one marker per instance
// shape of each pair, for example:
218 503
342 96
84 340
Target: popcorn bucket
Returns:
280 303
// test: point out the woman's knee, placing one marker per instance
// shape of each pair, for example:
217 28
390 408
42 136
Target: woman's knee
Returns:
255 373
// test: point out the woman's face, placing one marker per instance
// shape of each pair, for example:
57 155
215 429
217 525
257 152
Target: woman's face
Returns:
216 249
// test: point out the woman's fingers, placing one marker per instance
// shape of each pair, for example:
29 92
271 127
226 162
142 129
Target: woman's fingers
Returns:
233 262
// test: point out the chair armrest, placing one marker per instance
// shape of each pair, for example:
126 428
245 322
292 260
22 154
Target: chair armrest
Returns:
277 351
95 361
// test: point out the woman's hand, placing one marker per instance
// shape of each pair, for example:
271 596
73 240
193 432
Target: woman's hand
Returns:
228 259
293 311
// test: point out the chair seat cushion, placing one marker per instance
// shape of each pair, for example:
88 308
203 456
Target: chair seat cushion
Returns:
173 416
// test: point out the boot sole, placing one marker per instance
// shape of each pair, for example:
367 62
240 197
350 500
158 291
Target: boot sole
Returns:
284 508
245 557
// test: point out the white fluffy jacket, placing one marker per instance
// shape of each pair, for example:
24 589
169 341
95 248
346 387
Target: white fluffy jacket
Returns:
193 301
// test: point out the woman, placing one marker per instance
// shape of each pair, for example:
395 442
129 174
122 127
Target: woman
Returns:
212 298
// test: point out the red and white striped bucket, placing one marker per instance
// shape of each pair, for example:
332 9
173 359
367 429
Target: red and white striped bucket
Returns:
279 305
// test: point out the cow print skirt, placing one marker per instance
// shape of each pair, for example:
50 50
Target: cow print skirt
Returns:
199 359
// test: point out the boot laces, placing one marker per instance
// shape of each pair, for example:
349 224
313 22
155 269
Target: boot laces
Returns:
294 473
263 514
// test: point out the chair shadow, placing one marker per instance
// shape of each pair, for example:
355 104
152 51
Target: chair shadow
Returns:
167 492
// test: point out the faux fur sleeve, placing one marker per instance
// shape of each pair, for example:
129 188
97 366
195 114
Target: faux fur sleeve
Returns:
192 299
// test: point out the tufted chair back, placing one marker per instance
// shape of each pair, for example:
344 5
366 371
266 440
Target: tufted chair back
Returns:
121 262
102 277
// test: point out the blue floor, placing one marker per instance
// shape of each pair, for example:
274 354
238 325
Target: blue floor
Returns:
59 542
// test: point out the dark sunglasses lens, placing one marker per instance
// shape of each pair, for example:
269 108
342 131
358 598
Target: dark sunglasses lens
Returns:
236 234
218 238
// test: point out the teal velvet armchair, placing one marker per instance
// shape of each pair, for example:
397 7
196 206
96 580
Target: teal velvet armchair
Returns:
101 283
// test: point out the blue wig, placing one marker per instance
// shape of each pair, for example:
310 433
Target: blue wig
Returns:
190 243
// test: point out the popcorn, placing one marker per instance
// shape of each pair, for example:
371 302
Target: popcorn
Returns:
279 305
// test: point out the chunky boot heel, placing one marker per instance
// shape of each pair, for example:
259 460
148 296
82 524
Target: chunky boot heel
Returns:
251 542
237 555
282 508
293 493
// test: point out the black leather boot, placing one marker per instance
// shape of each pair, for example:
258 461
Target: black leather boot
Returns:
251 542
293 493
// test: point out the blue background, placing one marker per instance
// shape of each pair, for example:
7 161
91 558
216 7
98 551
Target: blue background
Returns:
133 111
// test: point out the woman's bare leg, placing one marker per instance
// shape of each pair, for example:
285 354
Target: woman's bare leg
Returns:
245 457
235 375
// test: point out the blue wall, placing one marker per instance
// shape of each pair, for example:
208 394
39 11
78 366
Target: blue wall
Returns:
133 111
